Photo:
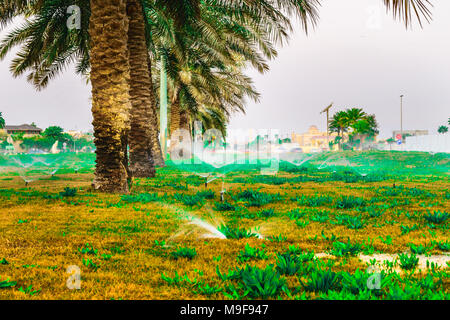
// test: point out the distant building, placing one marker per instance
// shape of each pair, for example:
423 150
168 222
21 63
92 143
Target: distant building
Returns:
23 128
313 140
410 133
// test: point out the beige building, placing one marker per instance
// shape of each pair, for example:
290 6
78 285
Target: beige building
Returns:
26 129
314 140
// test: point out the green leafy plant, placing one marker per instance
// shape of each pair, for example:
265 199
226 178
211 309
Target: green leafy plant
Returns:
207 194
143 198
88 249
266 213
189 200
314 201
29 290
277 238
7 284
341 249
296 214
183 252
262 283
252 253
405 229
288 264
255 198
90 264
322 281
437 217
408 262
420 249
68 192
235 232
224 206
350 202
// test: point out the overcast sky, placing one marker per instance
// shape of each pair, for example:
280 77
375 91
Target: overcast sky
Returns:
358 56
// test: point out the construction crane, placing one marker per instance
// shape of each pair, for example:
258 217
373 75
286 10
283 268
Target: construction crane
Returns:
327 111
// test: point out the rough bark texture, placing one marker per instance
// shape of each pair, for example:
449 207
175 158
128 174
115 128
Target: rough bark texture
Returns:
174 115
154 125
141 157
110 93
184 120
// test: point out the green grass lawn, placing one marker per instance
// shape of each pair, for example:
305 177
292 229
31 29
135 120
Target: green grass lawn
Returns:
323 230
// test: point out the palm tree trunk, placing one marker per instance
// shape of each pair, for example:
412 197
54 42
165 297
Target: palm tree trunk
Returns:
184 121
175 115
141 156
154 125
110 73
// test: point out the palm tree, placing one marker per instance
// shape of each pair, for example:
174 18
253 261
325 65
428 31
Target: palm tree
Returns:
2 121
141 157
110 78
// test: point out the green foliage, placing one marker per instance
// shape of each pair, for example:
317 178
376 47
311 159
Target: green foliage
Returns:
444 246
224 206
351 222
252 253
320 216
296 214
207 194
420 249
255 198
355 283
29 290
262 283
350 202
183 252
288 264
68 192
408 262
314 201
437 217
235 232
322 281
90 264
4 262
7 284
277 238
88 249
189 200
142 197
266 213
405 229
341 249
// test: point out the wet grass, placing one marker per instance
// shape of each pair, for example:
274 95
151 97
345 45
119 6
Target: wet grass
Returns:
132 247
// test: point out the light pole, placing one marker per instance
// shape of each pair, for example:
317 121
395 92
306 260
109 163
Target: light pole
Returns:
327 111
163 107
401 116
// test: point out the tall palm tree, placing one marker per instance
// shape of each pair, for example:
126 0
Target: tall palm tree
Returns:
141 157
110 78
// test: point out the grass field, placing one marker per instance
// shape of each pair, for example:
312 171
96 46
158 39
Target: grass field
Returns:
362 228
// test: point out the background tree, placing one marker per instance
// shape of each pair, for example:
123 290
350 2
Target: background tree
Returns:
2 121
443 129
53 132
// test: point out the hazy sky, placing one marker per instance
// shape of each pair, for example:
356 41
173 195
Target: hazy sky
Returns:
358 56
